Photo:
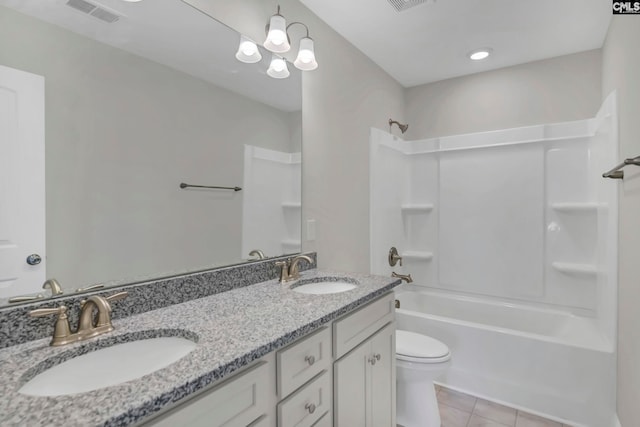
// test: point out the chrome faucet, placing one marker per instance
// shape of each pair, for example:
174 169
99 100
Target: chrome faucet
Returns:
87 328
289 270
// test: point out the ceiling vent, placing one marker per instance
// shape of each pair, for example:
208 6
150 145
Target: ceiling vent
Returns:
99 12
400 5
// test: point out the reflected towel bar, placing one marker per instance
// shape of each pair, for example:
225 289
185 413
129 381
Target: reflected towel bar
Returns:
617 173
183 185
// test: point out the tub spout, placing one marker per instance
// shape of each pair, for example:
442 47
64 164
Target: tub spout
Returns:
406 277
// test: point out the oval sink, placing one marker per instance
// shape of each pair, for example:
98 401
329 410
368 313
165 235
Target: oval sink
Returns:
108 366
324 285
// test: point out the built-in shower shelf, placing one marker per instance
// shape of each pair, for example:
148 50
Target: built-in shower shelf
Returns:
575 268
416 207
569 207
291 205
417 255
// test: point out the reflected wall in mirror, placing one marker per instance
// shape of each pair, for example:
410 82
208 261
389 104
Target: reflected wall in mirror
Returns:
132 109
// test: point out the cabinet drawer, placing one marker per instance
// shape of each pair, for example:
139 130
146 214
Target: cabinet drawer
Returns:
238 401
298 363
356 327
307 405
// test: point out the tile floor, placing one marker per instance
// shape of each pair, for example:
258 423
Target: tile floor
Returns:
461 410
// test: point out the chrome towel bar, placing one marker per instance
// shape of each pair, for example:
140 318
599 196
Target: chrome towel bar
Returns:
617 172
183 185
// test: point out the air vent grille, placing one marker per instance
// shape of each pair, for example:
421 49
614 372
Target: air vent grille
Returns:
400 5
94 10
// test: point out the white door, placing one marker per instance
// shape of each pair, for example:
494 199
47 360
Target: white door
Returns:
22 194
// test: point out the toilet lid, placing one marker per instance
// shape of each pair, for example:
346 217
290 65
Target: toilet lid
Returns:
411 345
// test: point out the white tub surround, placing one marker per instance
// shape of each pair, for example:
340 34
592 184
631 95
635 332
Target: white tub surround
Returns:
232 329
522 220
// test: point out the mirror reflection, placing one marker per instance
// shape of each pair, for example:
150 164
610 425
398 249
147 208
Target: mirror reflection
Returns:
126 102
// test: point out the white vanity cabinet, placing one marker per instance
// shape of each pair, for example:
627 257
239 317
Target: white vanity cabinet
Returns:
242 400
364 377
341 375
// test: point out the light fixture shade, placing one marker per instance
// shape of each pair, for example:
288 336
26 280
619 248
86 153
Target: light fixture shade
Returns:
277 40
278 68
306 60
248 51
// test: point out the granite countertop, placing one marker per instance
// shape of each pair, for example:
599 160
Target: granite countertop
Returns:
232 329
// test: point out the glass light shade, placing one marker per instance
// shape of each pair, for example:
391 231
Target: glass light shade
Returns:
277 40
278 68
306 60
248 51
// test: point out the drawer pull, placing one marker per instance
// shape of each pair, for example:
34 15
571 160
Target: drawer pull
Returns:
310 407
310 360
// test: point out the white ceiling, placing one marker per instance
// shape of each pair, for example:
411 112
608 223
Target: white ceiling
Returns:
431 41
177 35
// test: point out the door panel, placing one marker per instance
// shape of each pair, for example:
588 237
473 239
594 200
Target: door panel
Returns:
22 193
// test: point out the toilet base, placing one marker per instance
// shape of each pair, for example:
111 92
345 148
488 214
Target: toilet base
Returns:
417 405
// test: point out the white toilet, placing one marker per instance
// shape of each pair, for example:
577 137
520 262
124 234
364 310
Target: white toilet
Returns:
419 360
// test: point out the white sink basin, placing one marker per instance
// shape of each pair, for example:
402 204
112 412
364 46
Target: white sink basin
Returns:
108 366
323 286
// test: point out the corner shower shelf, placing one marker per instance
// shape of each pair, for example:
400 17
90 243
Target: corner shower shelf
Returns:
577 207
574 268
416 207
417 255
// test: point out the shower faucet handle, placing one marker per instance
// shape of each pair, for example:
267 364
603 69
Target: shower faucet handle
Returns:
394 258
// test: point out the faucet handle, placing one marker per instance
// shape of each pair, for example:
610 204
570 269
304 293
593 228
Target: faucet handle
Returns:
41 312
62 330
117 296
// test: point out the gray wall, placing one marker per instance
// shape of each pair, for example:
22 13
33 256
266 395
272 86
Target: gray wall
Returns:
553 90
342 100
621 68
121 133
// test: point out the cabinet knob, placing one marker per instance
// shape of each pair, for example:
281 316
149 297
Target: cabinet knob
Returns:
372 361
377 356
310 407
310 360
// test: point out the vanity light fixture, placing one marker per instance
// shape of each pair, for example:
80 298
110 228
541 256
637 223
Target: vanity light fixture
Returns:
278 68
278 42
277 38
480 54
248 51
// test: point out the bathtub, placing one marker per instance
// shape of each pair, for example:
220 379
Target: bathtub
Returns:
544 361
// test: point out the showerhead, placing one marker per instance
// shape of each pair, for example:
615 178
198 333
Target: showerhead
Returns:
403 128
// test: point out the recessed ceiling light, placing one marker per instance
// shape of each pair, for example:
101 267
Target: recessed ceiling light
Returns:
480 54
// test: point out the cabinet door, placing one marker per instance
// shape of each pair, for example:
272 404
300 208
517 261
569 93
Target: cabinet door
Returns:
351 388
236 402
383 378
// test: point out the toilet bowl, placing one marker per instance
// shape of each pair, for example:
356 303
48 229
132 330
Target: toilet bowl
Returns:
419 360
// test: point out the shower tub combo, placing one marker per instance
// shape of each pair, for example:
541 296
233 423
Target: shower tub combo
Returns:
510 236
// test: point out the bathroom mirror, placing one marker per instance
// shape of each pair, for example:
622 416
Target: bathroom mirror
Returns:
140 97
